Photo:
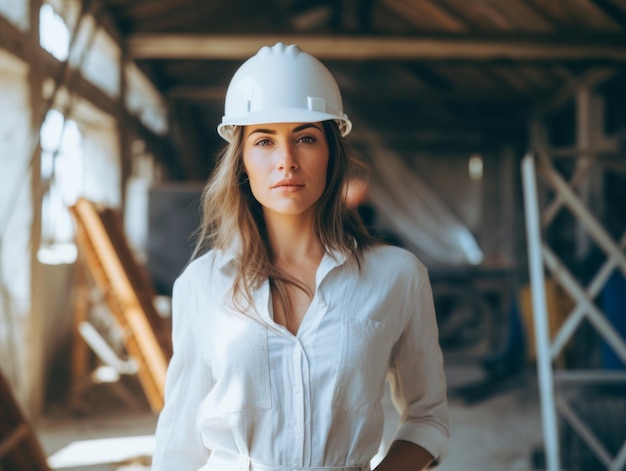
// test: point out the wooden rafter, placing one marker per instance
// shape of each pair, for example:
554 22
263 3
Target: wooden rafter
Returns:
428 11
172 14
611 11
590 79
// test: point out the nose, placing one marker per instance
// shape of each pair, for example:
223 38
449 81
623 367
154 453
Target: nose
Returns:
287 158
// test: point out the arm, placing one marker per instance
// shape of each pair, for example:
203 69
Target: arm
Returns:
405 456
178 442
418 386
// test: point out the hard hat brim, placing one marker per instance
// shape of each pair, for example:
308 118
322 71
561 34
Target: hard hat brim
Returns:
227 126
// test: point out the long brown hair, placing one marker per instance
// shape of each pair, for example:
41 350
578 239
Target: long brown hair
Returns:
232 219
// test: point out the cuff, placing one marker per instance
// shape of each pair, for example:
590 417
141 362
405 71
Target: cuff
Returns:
430 437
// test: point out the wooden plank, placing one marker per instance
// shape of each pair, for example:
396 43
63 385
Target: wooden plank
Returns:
110 263
601 14
178 17
19 447
419 94
427 16
612 11
522 18
461 47
12 439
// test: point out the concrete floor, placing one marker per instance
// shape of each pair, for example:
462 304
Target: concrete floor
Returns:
496 432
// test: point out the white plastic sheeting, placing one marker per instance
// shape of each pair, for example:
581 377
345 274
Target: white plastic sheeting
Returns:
15 218
15 12
144 100
416 212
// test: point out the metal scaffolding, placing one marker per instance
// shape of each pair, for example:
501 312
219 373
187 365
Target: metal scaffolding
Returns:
538 167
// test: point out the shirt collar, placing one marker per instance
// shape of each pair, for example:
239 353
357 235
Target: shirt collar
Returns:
225 258
332 258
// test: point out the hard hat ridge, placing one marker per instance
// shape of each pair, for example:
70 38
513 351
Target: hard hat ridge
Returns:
279 49
282 84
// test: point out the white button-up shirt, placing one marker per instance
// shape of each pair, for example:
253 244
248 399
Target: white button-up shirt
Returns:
242 392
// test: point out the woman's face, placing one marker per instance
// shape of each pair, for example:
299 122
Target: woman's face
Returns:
286 164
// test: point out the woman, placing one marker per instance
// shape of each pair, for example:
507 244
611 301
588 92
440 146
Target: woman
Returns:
286 329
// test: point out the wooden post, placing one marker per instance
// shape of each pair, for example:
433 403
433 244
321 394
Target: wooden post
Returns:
80 352
34 385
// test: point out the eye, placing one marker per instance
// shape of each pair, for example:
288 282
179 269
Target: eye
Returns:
307 140
263 142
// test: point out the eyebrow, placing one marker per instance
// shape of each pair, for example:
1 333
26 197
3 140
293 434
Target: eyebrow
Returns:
306 126
296 129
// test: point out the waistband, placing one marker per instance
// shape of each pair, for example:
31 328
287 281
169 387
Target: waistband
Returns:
254 466
258 467
244 463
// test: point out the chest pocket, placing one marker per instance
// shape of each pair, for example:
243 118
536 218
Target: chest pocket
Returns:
238 354
362 370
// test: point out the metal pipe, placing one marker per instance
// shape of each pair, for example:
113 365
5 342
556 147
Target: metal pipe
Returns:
590 376
540 314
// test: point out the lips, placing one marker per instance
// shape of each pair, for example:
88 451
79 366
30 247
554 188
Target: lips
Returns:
287 184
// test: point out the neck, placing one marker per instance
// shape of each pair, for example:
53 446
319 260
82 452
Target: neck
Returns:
293 239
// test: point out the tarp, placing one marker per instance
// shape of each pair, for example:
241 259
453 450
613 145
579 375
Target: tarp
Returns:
416 212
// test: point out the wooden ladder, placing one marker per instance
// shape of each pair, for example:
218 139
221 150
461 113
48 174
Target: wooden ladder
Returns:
127 291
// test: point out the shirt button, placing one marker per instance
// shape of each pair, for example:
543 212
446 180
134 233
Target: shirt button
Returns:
296 429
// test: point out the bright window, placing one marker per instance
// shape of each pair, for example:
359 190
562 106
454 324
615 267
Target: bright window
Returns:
144 100
62 176
53 33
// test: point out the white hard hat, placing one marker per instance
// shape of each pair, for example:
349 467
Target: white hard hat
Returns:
282 84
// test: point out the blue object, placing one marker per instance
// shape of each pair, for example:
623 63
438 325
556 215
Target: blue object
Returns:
613 299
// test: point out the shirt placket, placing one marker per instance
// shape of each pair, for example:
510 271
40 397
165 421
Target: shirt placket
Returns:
300 368
299 388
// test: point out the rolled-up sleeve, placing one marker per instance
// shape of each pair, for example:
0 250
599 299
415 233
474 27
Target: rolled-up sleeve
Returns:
416 376
178 441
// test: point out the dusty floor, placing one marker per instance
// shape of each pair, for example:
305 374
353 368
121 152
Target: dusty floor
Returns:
495 432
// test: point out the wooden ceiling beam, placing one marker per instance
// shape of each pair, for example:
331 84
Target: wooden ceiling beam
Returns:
462 47
216 94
